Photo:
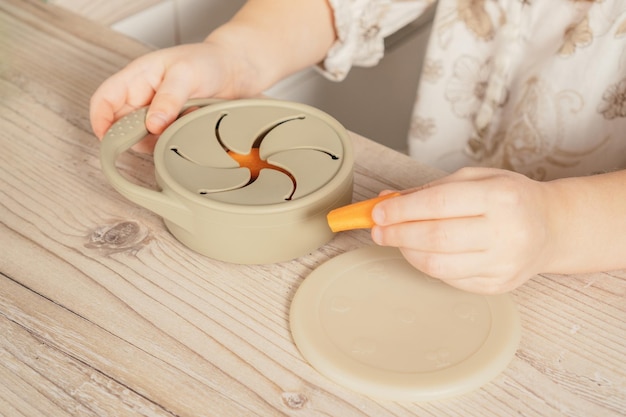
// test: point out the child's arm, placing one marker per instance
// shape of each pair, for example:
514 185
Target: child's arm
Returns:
265 41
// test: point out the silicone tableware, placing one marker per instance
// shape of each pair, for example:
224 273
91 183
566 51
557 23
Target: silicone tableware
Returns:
245 181
371 322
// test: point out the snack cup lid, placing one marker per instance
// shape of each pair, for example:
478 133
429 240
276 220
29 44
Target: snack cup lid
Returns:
371 322
253 152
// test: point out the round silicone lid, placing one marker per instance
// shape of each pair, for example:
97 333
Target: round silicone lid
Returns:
371 322
214 151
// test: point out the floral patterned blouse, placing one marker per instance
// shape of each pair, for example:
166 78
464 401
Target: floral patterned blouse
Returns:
534 86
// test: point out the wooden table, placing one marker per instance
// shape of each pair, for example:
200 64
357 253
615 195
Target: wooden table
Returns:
103 312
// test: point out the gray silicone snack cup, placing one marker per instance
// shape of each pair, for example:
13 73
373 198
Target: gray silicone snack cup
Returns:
211 203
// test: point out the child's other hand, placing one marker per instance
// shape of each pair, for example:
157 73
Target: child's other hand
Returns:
481 230
165 80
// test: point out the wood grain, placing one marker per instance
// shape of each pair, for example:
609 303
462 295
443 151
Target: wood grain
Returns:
103 312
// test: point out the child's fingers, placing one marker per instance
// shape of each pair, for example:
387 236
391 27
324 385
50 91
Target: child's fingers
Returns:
117 96
455 235
104 105
356 215
449 267
101 115
473 272
172 94
441 201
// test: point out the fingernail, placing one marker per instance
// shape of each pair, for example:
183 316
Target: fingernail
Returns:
156 122
378 215
377 235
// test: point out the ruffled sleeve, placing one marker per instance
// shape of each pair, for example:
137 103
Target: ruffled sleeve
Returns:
361 27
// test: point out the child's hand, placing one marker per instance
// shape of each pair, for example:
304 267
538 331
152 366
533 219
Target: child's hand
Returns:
166 79
260 45
481 230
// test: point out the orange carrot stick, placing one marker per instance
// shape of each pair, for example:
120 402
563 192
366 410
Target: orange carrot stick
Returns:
356 215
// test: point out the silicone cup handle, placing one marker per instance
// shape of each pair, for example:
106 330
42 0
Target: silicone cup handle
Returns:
126 132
